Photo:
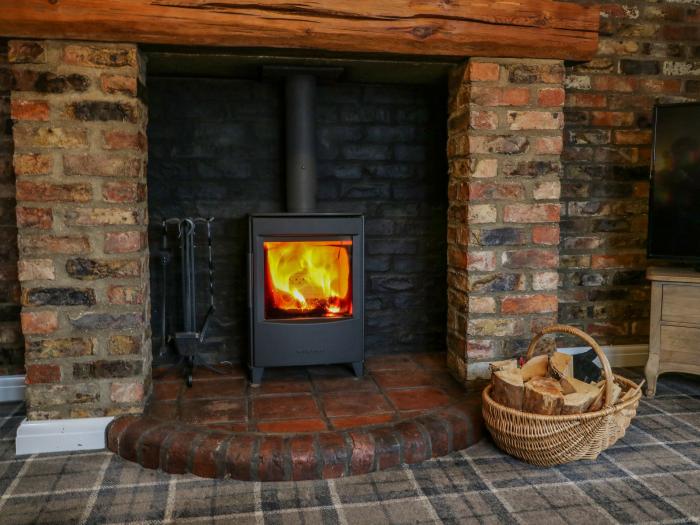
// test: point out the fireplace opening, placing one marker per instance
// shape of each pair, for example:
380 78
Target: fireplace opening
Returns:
308 279
217 148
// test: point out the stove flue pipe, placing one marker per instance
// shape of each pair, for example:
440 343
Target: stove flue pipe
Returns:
300 94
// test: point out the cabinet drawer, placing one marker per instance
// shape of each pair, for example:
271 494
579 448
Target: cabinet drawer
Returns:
681 304
680 345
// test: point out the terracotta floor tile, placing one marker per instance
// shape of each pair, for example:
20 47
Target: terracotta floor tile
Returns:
214 388
213 410
404 378
331 371
390 362
281 386
410 414
229 427
452 389
421 398
285 373
292 425
433 360
360 421
449 384
166 390
294 399
344 384
285 407
354 404
162 409
167 373
227 371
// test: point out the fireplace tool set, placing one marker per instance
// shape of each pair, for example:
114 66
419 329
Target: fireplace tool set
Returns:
186 334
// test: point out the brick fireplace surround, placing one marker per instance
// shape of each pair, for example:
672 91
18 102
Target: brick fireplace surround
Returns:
79 156
80 162
80 166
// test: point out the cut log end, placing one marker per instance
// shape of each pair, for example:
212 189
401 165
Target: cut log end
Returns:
535 367
577 403
507 364
561 365
572 385
543 395
508 388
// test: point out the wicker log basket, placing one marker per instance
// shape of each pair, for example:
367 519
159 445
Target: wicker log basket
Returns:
552 440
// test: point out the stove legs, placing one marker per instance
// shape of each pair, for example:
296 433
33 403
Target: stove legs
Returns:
358 368
256 374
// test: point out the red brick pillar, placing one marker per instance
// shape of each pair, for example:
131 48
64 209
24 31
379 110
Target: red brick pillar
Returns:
504 146
79 160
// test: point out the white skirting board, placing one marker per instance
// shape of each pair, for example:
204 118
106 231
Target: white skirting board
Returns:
618 355
61 435
54 435
621 356
11 388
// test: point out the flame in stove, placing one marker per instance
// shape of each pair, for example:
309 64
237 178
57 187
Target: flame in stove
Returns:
297 295
308 278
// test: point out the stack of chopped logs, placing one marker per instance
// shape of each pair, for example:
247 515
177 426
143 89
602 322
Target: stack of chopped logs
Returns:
546 385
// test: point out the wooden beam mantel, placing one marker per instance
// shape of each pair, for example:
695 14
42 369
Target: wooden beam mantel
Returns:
444 28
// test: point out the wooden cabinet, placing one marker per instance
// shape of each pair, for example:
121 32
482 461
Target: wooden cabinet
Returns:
674 332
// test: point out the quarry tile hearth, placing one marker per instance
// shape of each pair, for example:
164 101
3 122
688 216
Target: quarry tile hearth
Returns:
302 423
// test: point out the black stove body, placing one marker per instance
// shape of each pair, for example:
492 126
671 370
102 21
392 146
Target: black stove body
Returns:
306 273
306 291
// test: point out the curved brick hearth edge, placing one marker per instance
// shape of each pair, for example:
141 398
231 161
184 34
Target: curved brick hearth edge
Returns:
253 456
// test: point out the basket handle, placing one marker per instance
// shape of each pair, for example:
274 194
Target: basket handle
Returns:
572 330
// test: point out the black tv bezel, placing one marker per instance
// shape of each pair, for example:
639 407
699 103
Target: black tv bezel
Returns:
650 229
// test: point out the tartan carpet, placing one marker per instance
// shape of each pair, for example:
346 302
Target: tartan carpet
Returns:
652 475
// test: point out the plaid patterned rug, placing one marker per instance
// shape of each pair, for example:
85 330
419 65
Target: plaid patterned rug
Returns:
650 476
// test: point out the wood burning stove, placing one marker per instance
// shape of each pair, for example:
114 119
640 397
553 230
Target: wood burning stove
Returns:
306 269
306 291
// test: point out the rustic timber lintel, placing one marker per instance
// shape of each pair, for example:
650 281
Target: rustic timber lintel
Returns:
439 28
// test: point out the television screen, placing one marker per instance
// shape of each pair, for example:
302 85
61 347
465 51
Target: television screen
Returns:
674 205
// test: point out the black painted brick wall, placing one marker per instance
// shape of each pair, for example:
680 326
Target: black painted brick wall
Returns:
216 148
11 341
